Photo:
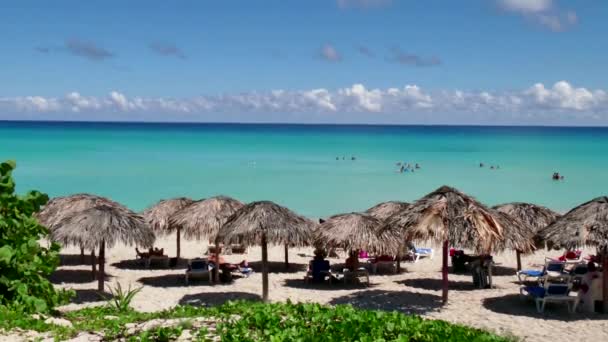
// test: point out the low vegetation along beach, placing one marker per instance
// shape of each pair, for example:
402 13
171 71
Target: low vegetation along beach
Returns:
52 292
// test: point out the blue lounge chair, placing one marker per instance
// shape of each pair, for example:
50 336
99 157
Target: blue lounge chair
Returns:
552 269
550 292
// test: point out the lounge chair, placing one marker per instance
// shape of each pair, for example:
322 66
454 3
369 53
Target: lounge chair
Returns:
550 292
198 268
351 276
383 262
422 253
552 269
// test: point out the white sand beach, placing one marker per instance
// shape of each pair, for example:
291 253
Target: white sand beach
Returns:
416 290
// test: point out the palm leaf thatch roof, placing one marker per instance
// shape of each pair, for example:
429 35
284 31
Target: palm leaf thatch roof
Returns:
60 207
204 218
535 216
447 214
384 210
104 223
158 215
356 231
585 225
517 235
278 224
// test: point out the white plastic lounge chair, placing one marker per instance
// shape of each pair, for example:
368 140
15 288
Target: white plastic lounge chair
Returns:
358 274
422 253
550 292
198 268
552 269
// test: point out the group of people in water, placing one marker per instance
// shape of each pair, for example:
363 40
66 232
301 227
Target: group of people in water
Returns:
407 167
344 158
557 176
492 167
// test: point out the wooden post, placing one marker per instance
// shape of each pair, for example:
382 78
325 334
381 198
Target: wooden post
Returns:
444 273
216 271
178 244
93 263
605 280
264 268
286 257
82 255
102 266
518 255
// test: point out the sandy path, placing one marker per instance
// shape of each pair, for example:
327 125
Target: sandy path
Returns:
416 290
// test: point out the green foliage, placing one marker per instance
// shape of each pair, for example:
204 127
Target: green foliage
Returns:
161 334
24 263
121 300
266 322
314 322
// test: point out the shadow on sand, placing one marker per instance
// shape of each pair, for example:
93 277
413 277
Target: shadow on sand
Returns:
278 267
301 284
403 301
74 277
179 280
437 284
137 264
90 296
74 260
216 298
514 305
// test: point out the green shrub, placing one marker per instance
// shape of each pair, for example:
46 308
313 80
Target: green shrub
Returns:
24 263
121 300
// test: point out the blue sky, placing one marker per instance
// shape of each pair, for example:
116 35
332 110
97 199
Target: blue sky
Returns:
241 60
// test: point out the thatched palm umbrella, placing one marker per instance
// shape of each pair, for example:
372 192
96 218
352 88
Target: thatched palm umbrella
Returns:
448 216
158 216
101 226
266 222
356 231
60 207
585 225
384 210
204 218
534 216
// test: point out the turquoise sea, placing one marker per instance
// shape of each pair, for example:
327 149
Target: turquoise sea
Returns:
295 165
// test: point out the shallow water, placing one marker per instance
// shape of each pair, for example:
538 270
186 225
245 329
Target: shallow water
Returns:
295 165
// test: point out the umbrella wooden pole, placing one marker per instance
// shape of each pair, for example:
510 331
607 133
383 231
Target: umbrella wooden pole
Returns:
216 271
178 244
518 255
264 268
605 280
102 266
93 263
444 273
82 255
286 257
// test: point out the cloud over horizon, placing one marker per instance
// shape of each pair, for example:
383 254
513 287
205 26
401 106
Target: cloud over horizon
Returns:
544 12
167 50
559 101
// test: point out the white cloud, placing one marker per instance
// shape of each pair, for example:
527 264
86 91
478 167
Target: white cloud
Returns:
527 6
329 53
544 12
560 100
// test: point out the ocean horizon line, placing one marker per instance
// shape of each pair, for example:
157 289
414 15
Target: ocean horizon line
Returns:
276 123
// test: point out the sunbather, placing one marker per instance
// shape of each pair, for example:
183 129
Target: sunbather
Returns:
352 262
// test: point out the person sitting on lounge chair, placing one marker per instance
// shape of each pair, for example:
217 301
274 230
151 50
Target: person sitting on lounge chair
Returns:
319 267
245 269
352 262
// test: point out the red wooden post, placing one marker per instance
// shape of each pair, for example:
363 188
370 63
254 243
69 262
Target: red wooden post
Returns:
444 272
